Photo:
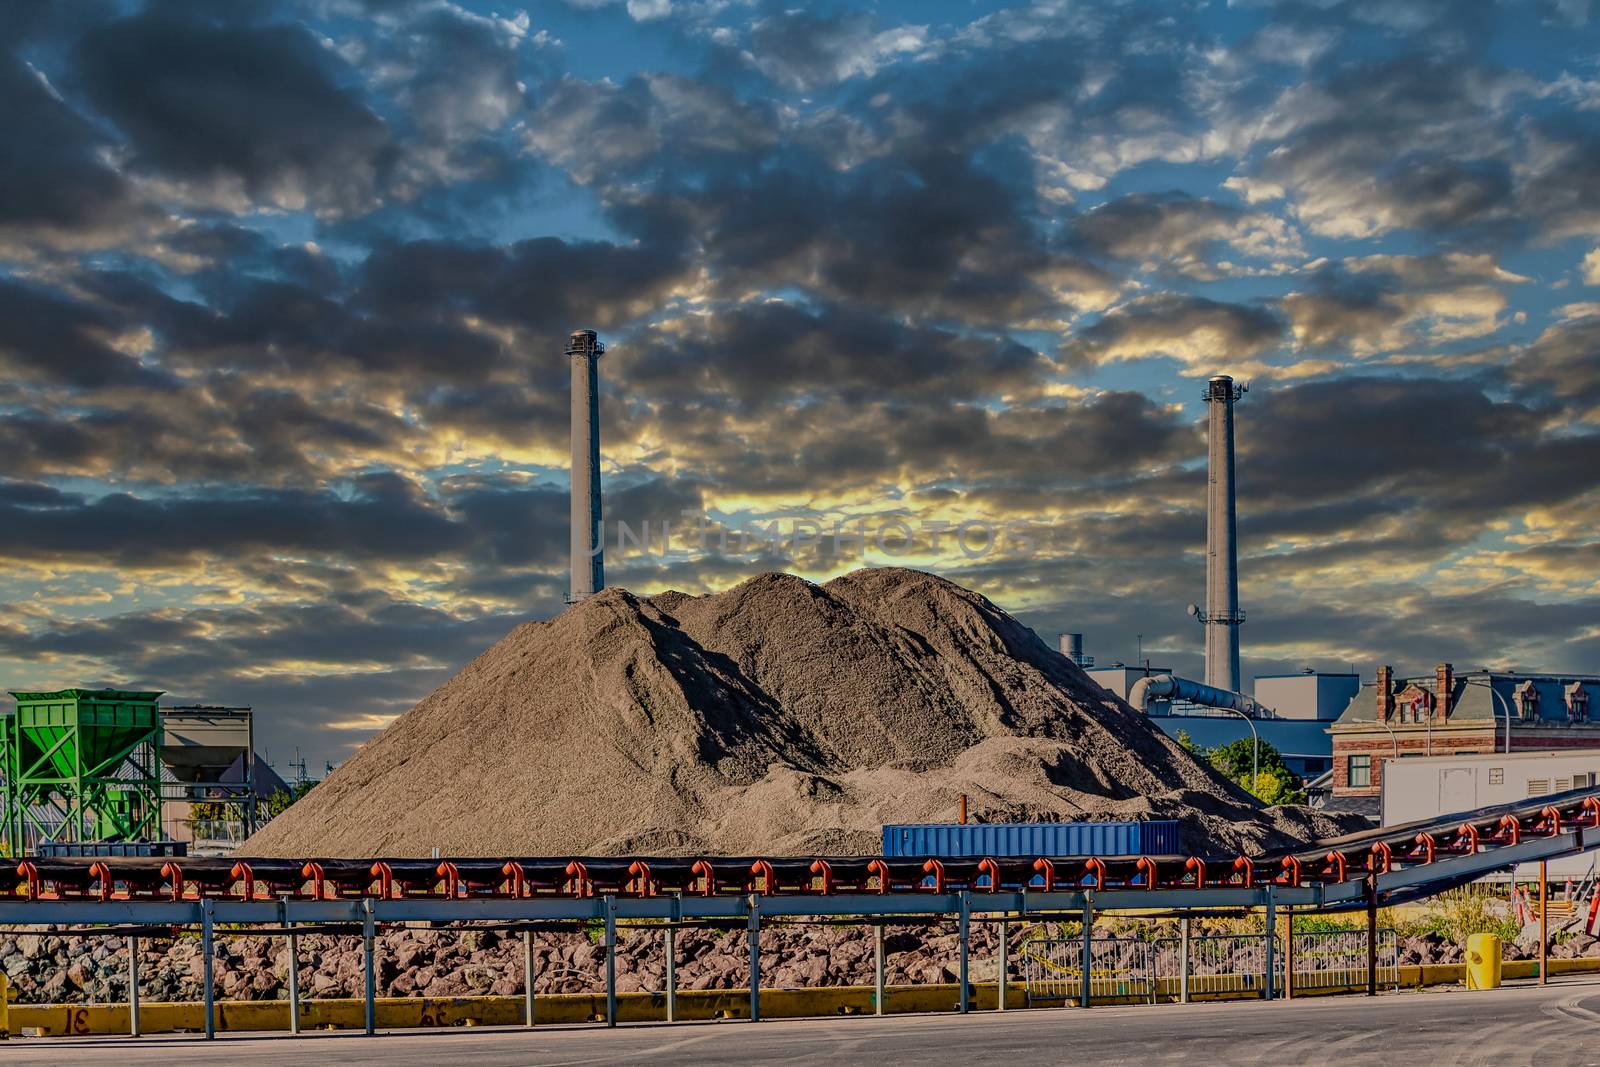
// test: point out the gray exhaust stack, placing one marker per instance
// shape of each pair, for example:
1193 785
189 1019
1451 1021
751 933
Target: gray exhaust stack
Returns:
588 540
1071 646
1222 615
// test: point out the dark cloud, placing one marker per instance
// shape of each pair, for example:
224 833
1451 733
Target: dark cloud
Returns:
381 517
1564 363
762 353
835 446
523 525
1437 460
232 110
1560 192
1382 302
545 284
804 50
1189 329
1186 232
50 337
57 184
1408 142
602 132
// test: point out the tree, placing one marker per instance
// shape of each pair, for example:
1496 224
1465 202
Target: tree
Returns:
1277 784
280 802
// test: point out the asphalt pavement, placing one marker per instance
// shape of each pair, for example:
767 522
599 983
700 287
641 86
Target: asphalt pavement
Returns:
1524 1024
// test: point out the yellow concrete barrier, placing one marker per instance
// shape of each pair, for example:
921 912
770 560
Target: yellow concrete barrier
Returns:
5 1006
396 1013
1483 961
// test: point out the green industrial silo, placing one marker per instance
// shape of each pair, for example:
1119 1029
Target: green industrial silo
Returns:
82 765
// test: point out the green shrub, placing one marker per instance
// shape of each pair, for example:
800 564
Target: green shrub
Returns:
1460 913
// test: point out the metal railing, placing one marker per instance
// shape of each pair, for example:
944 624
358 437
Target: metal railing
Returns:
1053 969
1219 964
1338 959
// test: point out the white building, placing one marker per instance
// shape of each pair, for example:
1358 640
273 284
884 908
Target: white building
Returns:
1424 787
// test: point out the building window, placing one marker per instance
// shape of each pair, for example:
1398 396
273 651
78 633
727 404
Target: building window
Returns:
1360 772
1527 698
1497 776
1577 702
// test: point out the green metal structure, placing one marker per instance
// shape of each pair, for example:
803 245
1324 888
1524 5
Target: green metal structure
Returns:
81 765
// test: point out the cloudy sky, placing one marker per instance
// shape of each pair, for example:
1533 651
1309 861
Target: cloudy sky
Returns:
283 287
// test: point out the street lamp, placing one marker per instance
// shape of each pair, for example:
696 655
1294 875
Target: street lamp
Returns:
1255 747
1394 746
1489 685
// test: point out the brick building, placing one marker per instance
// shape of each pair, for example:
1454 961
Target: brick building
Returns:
1447 713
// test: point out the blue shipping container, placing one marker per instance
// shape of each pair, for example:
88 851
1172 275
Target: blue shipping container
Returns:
997 839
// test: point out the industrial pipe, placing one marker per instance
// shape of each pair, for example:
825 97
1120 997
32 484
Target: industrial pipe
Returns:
1171 687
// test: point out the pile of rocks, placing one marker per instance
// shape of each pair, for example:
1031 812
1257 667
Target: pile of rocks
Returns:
50 968
1567 944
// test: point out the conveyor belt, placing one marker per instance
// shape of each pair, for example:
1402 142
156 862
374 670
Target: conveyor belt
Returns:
1397 863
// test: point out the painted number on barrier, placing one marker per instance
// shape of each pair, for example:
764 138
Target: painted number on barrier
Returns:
432 1015
77 1021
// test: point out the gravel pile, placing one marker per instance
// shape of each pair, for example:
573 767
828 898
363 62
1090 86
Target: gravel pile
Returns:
776 717
48 968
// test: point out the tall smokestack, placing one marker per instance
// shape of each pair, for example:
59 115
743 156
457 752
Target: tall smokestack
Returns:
1071 646
588 540
1222 615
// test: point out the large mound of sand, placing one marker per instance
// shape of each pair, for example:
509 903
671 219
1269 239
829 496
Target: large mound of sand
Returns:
777 717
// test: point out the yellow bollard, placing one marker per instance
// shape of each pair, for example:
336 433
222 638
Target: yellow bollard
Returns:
1483 961
5 1007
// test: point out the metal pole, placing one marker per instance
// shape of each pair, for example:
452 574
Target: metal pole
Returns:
368 930
877 970
133 985
755 957
1288 954
1544 922
1372 935
206 948
527 977
610 904
1003 971
294 967
1183 962
1272 937
1500 702
1507 708
672 973
963 931
1088 947
250 772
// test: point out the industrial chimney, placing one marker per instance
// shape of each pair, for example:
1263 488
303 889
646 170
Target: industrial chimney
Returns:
1071 646
1222 615
588 539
